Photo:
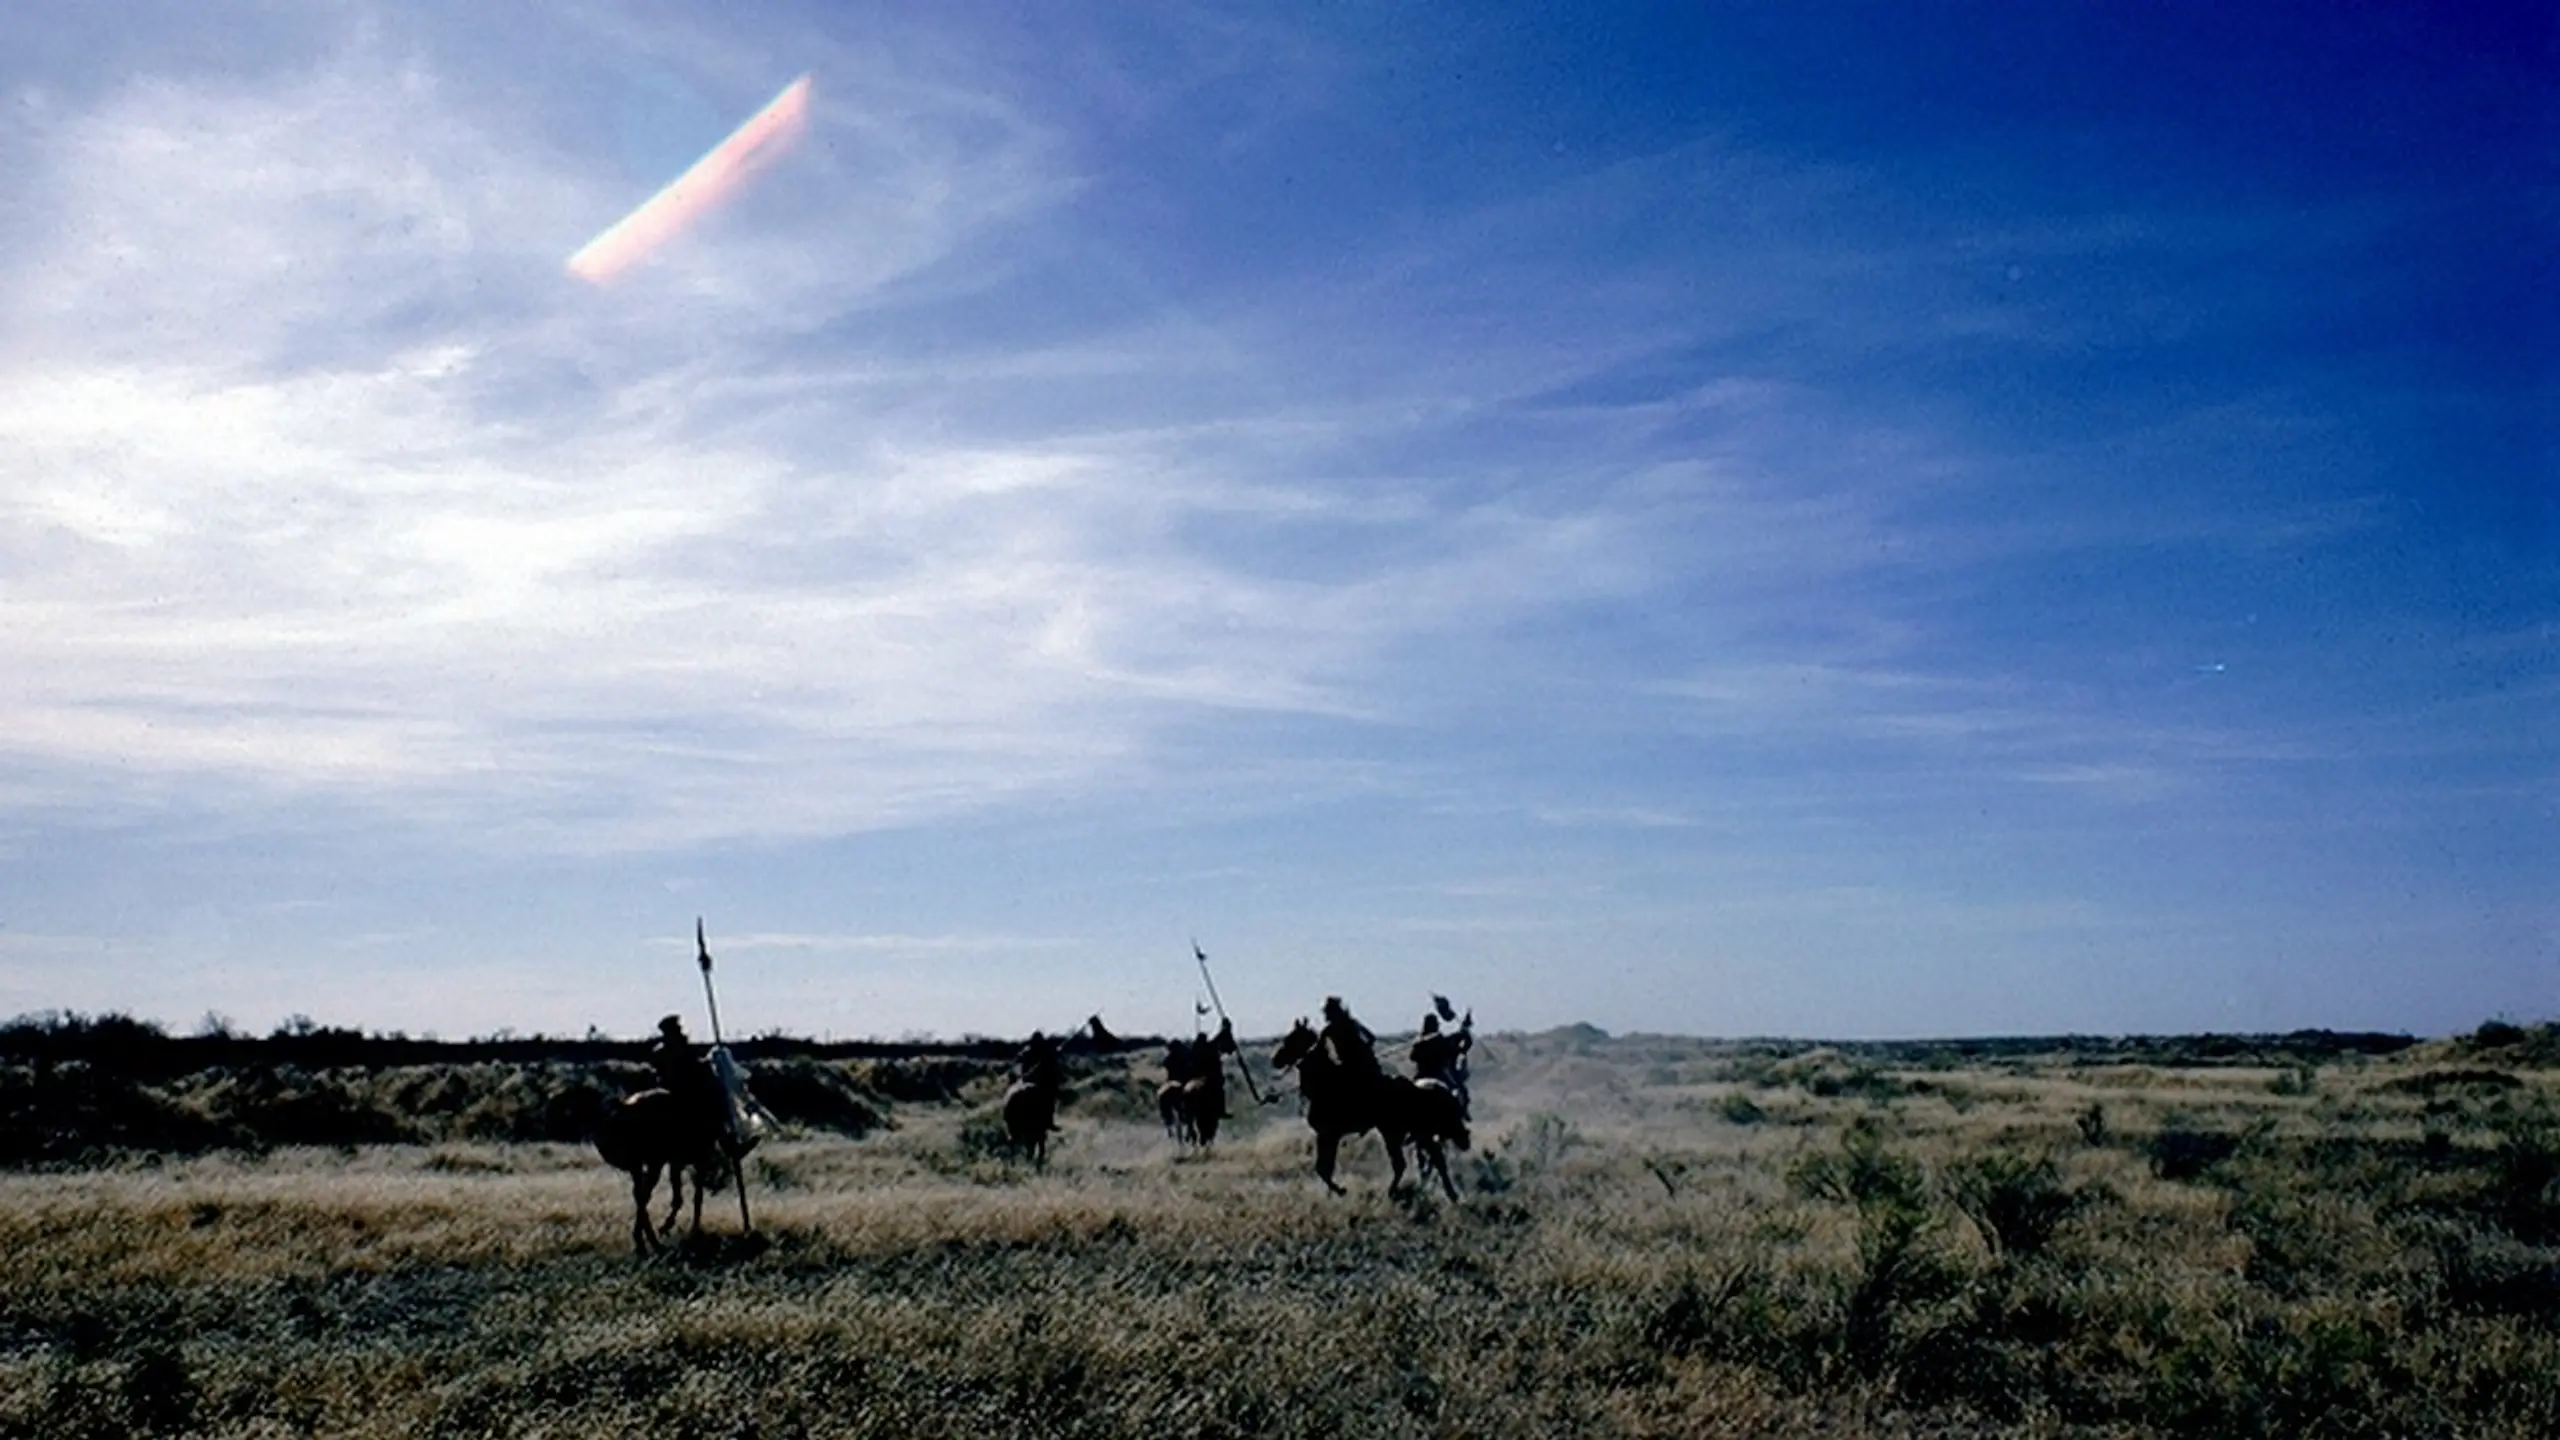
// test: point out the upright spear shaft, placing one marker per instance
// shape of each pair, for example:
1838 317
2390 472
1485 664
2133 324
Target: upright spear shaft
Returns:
1246 1070
702 957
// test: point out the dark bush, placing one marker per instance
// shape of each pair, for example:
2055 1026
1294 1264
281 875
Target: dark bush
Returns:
2525 1183
2533 1045
2180 1153
2495 1034
927 1080
2430 1082
66 1113
816 1095
323 1112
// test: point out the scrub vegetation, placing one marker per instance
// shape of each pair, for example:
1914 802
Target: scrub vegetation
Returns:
2280 1236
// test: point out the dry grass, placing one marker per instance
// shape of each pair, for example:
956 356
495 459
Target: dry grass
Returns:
2033 1247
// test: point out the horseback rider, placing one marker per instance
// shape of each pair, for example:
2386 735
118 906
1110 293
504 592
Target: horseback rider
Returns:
1354 1048
684 1071
1038 1064
1209 1060
1442 1056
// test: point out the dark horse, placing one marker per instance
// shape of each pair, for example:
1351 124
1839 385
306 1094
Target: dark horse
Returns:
1030 1117
1193 1098
1031 1104
657 1130
1343 1102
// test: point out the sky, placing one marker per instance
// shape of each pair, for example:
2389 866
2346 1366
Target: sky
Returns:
1816 519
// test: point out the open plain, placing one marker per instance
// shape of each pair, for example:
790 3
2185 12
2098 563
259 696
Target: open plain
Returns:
2307 1235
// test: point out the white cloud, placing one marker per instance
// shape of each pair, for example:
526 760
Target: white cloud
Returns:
901 945
323 484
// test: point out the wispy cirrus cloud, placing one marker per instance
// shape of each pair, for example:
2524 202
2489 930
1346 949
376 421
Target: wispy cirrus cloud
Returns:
434 532
858 943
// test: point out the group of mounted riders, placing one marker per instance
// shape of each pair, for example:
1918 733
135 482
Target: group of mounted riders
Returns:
699 1116
1347 1092
1438 1057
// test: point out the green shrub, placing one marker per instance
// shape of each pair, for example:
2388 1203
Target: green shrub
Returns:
2015 1201
1539 1143
2093 1124
1862 1172
982 1136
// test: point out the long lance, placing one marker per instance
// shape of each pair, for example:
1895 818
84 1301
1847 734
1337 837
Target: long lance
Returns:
729 1142
1226 1024
702 957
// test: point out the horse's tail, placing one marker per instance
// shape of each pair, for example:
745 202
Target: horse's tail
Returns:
613 1138
1208 1104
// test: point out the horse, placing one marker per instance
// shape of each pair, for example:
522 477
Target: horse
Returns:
1193 1098
1030 1117
1192 1108
1031 1104
1342 1102
656 1130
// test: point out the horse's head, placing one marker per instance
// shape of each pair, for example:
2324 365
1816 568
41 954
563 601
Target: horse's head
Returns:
1297 1045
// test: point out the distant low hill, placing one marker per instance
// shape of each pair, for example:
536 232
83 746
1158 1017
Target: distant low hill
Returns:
76 1089
2294 1047
140 1048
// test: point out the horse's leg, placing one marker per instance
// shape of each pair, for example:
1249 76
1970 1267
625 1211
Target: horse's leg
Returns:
1328 1144
644 1182
1395 1159
699 1186
738 1173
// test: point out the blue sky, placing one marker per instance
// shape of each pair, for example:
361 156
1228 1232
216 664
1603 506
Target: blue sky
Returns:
1818 519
